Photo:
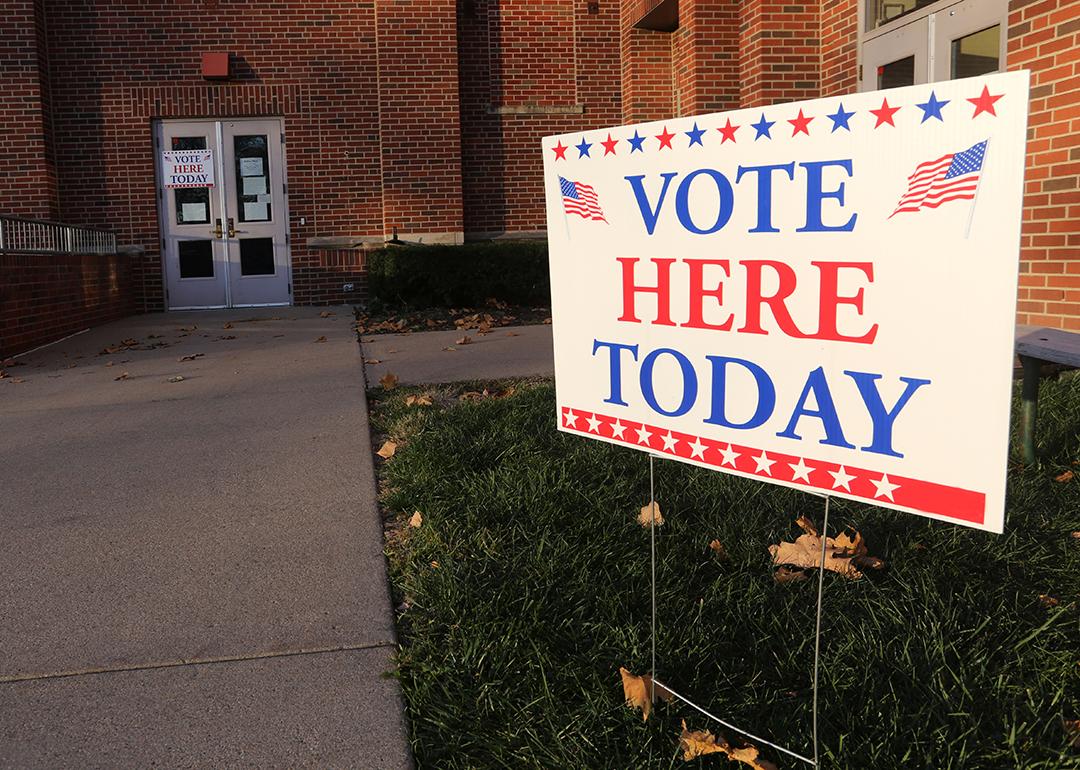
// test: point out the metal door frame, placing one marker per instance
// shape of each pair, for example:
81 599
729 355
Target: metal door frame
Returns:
219 171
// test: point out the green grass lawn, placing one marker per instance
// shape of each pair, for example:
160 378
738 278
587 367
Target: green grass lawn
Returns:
511 645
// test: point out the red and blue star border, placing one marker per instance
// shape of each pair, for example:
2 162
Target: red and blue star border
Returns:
821 476
885 115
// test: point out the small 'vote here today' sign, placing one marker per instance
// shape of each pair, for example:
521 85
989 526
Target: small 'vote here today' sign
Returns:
187 168
819 294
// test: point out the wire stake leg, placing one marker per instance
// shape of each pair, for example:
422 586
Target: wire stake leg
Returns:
652 550
817 626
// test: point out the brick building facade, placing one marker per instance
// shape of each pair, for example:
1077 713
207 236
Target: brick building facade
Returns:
422 118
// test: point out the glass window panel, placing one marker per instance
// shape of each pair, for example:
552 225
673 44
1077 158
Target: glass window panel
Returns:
192 205
196 259
257 256
880 12
197 199
252 178
189 142
977 53
898 73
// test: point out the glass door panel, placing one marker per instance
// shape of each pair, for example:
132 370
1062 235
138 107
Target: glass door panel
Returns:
256 242
899 58
969 39
194 253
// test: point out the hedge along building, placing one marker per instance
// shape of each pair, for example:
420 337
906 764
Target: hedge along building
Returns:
334 126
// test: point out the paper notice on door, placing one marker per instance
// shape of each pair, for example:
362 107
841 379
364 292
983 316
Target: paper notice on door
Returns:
251 167
263 198
254 185
193 212
255 212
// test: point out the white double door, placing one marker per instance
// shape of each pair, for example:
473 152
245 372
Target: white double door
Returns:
225 245
952 40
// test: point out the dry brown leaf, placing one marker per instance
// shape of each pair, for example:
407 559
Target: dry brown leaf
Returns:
421 400
17 380
843 554
701 742
512 334
416 519
386 451
434 565
389 381
718 550
646 516
190 357
321 338
637 689
326 314
123 376
547 320
372 361
1072 729
1076 534
177 378
1048 601
227 326
1066 476
464 340
450 350
786 574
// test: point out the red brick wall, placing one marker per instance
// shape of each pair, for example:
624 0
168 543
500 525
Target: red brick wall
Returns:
1044 36
44 297
839 47
646 69
29 187
705 57
575 88
780 52
419 119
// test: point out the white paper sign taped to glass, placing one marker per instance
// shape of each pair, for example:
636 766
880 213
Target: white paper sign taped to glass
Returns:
820 294
187 168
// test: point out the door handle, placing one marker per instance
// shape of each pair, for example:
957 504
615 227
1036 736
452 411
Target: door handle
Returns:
216 232
232 228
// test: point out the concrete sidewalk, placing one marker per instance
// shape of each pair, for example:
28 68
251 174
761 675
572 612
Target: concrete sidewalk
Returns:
424 357
192 570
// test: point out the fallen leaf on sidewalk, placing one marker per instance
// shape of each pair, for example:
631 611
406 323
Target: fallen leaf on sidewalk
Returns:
3 374
464 340
451 350
843 554
227 337
421 400
547 320
177 378
372 361
416 520
190 357
191 328
227 326
123 376
637 691
326 314
321 339
648 513
389 381
16 380
1066 476
386 451
701 742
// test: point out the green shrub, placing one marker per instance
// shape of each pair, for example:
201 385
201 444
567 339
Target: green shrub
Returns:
460 276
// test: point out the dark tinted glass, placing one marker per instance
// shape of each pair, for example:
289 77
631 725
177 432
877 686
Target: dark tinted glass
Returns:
977 53
897 73
196 259
257 256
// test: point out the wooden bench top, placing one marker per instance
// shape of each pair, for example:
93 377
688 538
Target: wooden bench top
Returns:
1054 345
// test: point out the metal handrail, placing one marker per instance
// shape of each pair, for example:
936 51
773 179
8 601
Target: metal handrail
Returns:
39 236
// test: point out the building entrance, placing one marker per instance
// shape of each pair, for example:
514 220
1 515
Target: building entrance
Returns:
222 204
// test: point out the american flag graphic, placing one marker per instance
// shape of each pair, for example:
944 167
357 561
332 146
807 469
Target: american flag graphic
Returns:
951 177
579 198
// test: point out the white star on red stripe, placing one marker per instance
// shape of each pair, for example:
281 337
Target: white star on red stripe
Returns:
885 488
841 479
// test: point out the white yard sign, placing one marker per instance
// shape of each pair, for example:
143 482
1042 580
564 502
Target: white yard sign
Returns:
820 295
187 168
